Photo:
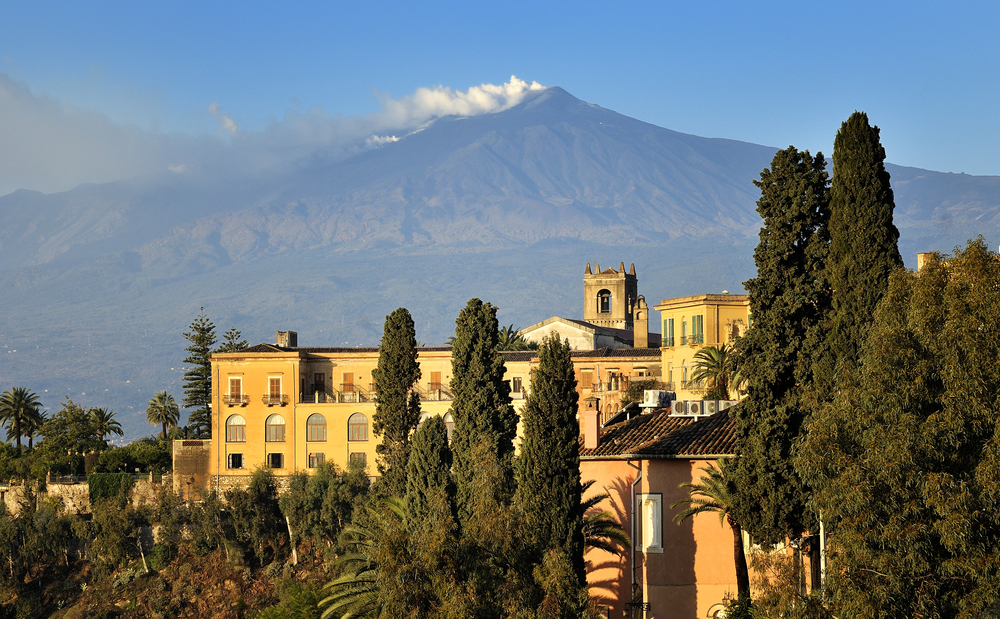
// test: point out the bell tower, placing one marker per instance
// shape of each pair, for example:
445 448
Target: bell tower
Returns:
609 296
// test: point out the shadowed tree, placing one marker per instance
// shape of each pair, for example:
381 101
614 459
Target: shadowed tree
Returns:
601 529
397 409
162 410
548 467
714 493
428 470
19 409
481 406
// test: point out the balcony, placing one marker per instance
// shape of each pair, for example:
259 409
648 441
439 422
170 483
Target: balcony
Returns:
231 399
434 392
348 394
274 399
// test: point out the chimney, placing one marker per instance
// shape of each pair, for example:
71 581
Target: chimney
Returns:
287 339
591 423
922 259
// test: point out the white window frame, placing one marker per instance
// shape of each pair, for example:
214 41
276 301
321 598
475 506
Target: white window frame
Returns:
229 462
649 519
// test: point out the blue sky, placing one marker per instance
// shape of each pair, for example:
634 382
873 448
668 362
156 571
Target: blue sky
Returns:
141 77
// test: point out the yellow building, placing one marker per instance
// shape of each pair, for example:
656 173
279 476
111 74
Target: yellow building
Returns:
692 323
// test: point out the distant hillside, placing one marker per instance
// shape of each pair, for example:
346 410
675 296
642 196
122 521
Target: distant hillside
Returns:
101 280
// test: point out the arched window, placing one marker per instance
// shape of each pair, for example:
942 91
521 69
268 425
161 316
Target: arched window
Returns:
316 427
449 424
275 429
604 301
236 429
357 427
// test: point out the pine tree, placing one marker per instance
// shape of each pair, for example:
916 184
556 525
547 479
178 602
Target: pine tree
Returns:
904 462
428 470
548 468
232 341
198 377
788 301
863 248
397 409
481 407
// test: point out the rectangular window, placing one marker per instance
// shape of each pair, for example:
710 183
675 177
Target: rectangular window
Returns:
698 329
235 388
274 387
235 461
276 461
586 379
515 384
649 523
316 459
359 458
348 385
668 331
684 332
435 381
236 433
275 433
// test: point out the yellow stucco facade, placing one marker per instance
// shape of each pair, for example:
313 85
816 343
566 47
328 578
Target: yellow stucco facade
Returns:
692 323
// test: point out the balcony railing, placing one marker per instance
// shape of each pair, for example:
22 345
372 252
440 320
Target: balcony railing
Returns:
517 395
434 392
236 399
336 396
275 399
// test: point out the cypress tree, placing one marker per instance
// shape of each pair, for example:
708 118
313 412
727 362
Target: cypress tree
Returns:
428 470
397 410
484 417
863 241
788 302
198 377
548 468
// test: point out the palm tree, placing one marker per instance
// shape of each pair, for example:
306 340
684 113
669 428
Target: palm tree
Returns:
601 530
714 493
714 364
33 426
105 423
511 339
19 410
162 409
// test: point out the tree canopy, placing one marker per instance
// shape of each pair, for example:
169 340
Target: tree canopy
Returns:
905 462
198 377
397 409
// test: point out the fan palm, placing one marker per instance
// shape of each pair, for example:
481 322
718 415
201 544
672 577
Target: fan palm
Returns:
601 530
105 423
714 364
19 410
714 493
162 410
511 339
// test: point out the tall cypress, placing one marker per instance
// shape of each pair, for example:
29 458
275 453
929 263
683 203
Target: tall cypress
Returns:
548 467
428 470
198 377
484 417
788 302
863 239
397 410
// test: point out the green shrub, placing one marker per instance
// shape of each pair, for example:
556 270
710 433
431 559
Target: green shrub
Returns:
109 485
159 557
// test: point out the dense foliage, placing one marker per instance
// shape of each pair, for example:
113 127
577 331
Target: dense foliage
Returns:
905 462
548 468
481 407
397 409
198 377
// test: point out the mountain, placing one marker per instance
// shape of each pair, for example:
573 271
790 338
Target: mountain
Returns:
101 280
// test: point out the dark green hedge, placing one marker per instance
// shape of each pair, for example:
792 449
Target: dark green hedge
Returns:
108 485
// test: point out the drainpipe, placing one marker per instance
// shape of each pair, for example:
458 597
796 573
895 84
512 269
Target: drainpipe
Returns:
632 518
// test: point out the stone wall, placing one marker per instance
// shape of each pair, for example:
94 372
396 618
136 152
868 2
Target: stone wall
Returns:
191 460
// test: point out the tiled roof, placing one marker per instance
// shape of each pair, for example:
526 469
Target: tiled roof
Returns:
659 435
259 348
652 353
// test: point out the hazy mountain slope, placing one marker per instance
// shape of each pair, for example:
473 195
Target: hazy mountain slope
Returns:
101 281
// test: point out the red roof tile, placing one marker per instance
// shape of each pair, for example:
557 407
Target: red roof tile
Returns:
659 435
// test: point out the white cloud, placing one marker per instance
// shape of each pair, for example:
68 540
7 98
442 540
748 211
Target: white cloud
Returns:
51 145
